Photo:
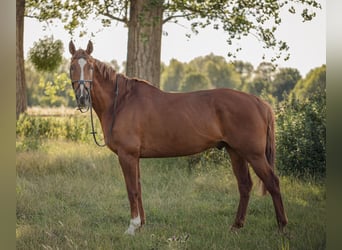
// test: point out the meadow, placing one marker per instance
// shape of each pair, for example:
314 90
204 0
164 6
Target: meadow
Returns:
71 195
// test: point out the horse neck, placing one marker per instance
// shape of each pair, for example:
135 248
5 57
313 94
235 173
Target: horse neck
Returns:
103 96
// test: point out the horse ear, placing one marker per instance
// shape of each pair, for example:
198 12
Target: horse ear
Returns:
72 48
89 47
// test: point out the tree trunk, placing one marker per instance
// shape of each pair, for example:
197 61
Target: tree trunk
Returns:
21 99
144 40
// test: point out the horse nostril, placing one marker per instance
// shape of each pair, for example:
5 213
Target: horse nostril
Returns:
82 100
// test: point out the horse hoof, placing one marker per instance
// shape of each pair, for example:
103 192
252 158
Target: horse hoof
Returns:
235 228
282 230
133 226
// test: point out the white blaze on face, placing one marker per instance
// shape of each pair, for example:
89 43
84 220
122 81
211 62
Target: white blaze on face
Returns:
134 225
82 62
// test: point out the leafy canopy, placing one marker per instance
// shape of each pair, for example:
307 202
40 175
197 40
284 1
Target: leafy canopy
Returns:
238 18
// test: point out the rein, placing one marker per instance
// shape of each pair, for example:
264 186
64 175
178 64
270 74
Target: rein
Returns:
90 107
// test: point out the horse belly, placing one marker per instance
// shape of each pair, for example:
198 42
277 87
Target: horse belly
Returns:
180 141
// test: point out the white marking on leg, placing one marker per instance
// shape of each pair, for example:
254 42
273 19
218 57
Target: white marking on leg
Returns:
134 225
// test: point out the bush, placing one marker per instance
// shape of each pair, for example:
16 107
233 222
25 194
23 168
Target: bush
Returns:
74 128
207 159
301 136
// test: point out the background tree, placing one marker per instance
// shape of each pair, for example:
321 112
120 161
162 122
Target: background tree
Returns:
49 88
21 99
217 71
114 63
32 80
284 81
223 75
145 20
245 69
172 75
194 81
315 81
262 78
220 73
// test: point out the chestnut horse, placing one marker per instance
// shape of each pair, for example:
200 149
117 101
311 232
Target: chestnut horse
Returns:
140 121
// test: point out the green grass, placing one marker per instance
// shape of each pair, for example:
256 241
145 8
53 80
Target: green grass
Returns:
73 196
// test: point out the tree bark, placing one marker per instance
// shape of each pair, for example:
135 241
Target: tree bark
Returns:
144 40
21 99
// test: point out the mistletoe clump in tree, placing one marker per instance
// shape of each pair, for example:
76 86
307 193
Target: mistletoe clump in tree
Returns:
46 55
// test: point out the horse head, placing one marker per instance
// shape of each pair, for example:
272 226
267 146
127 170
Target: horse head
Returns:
81 74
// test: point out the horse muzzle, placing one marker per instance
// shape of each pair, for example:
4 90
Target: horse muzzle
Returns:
82 101
82 93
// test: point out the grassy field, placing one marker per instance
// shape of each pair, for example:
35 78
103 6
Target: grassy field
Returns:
72 196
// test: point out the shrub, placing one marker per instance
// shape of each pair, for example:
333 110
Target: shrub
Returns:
74 128
207 159
301 136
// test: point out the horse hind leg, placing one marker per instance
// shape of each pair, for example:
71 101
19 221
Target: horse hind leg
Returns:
245 184
271 182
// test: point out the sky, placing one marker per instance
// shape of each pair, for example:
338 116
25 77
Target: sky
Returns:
307 41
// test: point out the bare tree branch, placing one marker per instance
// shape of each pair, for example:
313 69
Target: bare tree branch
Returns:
107 14
167 19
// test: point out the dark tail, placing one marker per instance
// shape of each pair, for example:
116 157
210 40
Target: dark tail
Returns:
270 150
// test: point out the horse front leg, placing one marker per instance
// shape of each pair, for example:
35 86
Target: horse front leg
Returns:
140 203
130 168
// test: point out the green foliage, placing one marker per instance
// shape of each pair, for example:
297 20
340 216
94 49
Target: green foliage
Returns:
281 81
313 82
284 81
57 92
208 159
261 81
194 81
245 70
172 75
220 73
237 18
256 86
210 71
301 136
49 88
32 81
46 54
75 128
44 10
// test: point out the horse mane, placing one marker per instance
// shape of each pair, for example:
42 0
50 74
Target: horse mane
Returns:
109 73
105 70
